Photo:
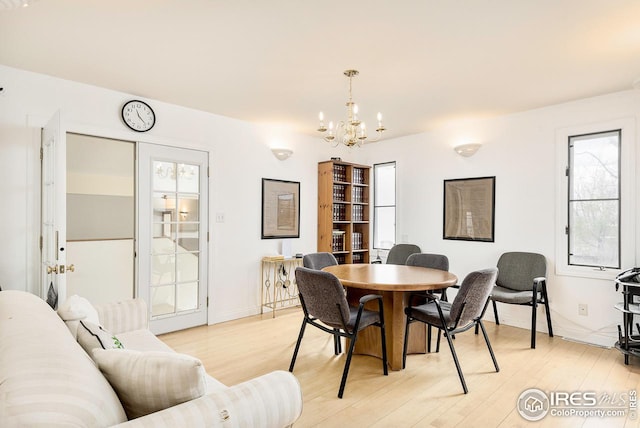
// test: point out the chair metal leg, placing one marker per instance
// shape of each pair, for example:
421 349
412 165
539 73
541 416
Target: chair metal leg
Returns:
347 363
438 342
534 311
337 344
404 346
486 339
295 351
383 338
429 339
455 360
495 312
548 312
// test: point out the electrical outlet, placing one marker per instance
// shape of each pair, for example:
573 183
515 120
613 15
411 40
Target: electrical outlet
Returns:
219 217
583 309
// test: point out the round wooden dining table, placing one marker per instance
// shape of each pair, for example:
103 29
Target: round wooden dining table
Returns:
395 283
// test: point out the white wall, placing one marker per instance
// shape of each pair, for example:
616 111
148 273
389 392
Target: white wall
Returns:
520 151
240 157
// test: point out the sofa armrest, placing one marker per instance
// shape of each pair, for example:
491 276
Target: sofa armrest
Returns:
273 400
127 315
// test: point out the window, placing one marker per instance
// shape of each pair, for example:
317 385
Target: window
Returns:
384 205
593 229
596 199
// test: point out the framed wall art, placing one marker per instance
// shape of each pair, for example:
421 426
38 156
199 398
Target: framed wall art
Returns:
469 209
280 209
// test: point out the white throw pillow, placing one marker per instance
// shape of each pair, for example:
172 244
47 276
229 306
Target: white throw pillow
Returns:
77 308
91 336
147 382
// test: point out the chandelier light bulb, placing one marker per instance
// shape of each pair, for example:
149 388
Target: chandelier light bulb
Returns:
321 116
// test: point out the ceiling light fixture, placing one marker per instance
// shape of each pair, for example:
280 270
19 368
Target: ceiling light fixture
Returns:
351 132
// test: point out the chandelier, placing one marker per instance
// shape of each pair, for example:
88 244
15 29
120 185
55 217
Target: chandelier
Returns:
351 132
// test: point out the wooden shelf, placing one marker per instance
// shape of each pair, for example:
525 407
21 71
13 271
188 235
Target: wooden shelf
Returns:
343 210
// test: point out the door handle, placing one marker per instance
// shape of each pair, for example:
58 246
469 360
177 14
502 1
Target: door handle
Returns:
61 269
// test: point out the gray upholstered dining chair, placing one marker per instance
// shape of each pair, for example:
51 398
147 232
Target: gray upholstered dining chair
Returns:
522 281
399 253
325 306
433 261
464 313
318 260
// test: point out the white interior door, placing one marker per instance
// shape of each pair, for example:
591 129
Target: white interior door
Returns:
172 209
53 216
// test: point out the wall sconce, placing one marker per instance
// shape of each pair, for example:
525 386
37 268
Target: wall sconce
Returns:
467 150
282 154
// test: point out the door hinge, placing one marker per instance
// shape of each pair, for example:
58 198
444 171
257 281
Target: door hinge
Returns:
566 171
41 153
40 243
207 236
207 301
566 230
208 172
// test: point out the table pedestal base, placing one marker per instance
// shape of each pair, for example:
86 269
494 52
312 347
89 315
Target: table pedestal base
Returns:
369 339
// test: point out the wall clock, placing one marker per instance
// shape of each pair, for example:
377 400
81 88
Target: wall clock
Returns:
138 115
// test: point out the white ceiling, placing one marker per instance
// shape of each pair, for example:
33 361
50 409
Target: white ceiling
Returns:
422 63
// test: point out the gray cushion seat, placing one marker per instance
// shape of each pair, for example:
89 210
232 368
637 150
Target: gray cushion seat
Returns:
506 295
428 313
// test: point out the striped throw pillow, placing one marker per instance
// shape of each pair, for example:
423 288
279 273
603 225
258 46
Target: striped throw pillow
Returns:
147 382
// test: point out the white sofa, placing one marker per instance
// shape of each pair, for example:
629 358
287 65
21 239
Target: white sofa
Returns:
47 378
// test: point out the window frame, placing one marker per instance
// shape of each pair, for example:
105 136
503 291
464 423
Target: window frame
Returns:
375 204
627 227
570 200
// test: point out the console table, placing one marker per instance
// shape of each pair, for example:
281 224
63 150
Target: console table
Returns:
278 283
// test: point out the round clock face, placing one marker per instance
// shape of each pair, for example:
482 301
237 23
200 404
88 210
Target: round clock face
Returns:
138 116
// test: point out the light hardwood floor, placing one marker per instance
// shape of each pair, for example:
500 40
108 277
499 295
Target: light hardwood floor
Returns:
428 392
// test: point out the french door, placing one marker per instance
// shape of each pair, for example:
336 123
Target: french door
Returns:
172 209
53 212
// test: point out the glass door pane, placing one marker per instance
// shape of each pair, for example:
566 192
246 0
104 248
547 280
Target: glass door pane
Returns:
176 241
